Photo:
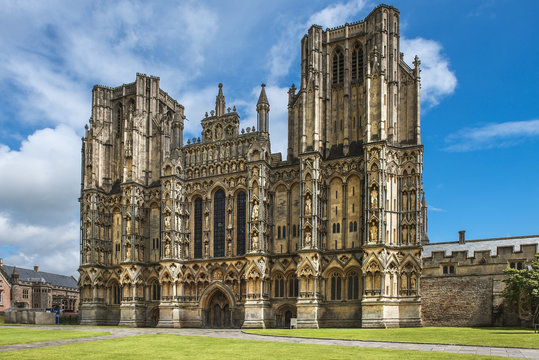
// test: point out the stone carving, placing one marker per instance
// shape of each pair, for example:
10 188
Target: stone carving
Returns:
167 248
308 205
167 222
308 238
254 212
254 241
128 251
374 197
373 232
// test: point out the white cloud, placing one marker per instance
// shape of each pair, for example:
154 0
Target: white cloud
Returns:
283 53
437 80
492 135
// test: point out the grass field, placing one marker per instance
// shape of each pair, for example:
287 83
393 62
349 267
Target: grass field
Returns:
506 337
194 347
15 335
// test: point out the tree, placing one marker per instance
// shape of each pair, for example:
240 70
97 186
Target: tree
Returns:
522 289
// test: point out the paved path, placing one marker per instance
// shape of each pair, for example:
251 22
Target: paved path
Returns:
119 332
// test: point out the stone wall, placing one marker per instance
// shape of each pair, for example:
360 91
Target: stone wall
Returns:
29 317
457 301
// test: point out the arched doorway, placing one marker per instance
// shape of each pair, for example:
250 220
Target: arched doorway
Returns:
218 313
283 316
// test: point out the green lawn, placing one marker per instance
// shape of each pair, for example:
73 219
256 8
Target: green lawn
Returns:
506 337
193 347
18 336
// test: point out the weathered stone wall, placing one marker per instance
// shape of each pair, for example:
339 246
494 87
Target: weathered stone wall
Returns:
457 301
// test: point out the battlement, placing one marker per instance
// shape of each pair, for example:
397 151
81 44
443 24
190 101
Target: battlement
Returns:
481 249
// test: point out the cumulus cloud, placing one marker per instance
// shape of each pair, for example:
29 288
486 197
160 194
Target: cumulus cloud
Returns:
437 80
492 135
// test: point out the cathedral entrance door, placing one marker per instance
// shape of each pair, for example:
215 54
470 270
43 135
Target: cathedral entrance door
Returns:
219 311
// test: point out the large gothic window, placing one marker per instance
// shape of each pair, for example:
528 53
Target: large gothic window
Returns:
119 114
219 224
240 218
198 228
338 67
353 286
357 63
335 286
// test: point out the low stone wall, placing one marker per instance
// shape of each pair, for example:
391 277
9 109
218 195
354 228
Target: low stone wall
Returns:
457 301
29 317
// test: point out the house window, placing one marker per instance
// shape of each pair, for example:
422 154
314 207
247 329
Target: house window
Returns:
25 294
448 269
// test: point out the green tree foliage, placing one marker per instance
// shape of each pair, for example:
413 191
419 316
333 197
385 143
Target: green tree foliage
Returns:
522 289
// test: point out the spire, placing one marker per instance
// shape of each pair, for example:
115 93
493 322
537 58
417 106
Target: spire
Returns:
220 102
262 109
263 99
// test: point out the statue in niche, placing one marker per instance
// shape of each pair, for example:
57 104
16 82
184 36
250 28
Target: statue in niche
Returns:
373 232
167 222
374 197
167 248
254 213
128 225
87 253
229 131
229 216
208 135
412 201
404 201
128 251
254 241
412 234
405 234
412 282
206 249
141 252
308 205
136 252
88 230
207 218
218 133
308 238
230 248
136 226
179 223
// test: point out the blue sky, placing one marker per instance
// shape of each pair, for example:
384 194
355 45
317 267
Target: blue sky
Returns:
480 118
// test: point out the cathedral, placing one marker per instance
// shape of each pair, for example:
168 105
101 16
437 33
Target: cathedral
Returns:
216 231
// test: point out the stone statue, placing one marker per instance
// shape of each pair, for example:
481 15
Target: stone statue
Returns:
412 282
405 234
128 251
412 201
374 197
412 234
207 218
308 238
206 249
404 201
254 213
167 222
254 241
128 226
308 205
167 249
373 232
230 248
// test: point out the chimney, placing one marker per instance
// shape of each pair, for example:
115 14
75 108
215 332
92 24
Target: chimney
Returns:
36 268
461 236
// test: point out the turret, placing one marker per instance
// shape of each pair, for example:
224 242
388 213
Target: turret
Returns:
262 109
220 102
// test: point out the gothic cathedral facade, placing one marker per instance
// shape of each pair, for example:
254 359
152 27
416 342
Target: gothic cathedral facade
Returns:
220 232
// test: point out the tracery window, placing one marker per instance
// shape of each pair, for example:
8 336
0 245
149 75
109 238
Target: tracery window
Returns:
335 286
219 224
116 294
240 216
198 228
338 67
353 286
357 63
155 291
293 230
279 286
293 285
119 113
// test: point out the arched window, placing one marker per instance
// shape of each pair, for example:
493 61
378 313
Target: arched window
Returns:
334 228
115 294
198 228
353 286
279 286
278 232
351 226
338 67
293 285
335 286
119 116
355 226
293 230
284 232
240 218
155 291
219 224
338 228
357 63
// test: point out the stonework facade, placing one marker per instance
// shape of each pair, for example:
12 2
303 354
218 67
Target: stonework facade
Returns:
220 232
461 282
32 289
